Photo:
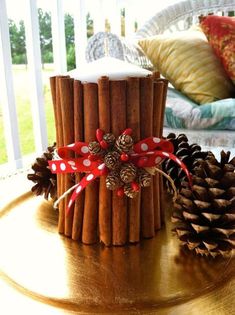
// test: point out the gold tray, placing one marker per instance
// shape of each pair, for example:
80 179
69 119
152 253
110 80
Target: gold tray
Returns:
153 277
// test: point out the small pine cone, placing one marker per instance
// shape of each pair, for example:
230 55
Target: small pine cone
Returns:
110 139
129 192
112 160
95 148
204 213
113 181
124 143
46 182
144 178
128 172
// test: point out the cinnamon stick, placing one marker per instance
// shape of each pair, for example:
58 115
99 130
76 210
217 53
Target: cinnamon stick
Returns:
55 100
157 125
118 124
133 122
53 96
60 142
165 82
66 98
165 86
105 210
155 75
90 216
78 136
146 129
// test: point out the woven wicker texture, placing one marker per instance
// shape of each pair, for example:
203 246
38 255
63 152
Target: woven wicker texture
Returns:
179 16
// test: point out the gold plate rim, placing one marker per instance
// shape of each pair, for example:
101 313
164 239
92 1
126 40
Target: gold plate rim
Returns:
73 305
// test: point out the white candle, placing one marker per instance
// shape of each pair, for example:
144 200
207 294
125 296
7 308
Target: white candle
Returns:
113 68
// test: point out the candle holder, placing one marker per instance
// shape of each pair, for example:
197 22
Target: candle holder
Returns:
98 214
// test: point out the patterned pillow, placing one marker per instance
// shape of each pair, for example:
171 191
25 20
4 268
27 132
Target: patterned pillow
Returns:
220 31
181 112
187 60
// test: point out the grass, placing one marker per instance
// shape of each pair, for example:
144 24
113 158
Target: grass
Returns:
24 115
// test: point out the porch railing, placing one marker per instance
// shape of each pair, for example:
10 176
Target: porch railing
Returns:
7 95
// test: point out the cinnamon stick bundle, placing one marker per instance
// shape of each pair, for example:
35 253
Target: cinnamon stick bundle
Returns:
78 136
105 205
91 123
157 125
146 129
118 124
133 122
66 99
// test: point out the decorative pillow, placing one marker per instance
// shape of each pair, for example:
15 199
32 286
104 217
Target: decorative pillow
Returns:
220 31
188 62
181 112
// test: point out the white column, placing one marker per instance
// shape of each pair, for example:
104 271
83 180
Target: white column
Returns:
7 92
80 31
129 19
35 72
58 37
115 19
99 17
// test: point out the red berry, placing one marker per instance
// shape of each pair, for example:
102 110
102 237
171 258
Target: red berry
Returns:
99 134
124 157
120 192
104 144
127 131
135 186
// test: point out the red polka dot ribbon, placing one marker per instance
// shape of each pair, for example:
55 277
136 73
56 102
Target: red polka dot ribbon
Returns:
146 153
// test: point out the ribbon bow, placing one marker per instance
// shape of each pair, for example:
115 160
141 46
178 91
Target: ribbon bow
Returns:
148 152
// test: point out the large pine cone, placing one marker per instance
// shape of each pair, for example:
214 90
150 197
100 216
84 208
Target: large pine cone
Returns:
187 153
42 176
205 214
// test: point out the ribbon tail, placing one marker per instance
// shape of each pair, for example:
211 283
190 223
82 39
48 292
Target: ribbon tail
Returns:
83 183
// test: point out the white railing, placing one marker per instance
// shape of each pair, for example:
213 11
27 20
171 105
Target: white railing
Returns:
80 10
7 95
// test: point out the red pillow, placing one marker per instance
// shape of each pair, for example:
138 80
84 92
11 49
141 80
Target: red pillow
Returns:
220 32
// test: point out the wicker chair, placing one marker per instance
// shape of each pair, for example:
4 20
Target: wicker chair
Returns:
179 16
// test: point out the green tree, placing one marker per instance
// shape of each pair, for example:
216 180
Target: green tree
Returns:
90 25
69 39
17 40
69 29
44 19
69 35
